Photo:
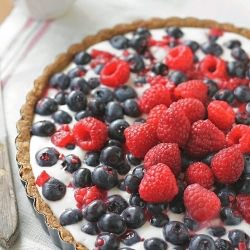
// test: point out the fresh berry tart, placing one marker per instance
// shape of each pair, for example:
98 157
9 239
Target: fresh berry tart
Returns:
139 138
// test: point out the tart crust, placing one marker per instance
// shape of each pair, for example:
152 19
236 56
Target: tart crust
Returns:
40 84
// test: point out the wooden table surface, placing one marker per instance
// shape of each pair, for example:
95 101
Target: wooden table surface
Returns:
5 9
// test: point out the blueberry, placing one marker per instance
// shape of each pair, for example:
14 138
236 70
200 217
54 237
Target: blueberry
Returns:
133 160
191 224
212 87
116 204
94 210
93 82
156 208
177 77
217 231
231 44
131 108
159 220
92 159
207 160
111 156
155 244
78 83
90 228
70 146
135 200
174 32
82 178
76 101
138 43
98 68
229 218
71 163
76 71
53 190
212 48
83 114
113 111
248 108
43 128
139 120
121 185
247 164
140 80
186 161
119 42
107 241
222 244
61 98
113 142
142 31
116 129
82 58
136 63
123 168
242 118
239 54
59 80
96 107
177 205
160 69
202 242
242 93
124 92
236 236
130 238
134 217
245 187
225 195
236 69
193 45
46 106
104 177
47 157
112 223
103 94
62 117
224 95
132 183
176 233
70 216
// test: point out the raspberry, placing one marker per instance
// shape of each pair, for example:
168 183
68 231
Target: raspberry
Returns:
195 89
201 204
42 178
213 67
155 114
180 58
155 80
90 134
63 137
193 108
100 57
215 32
158 184
115 73
140 138
221 114
200 173
240 134
166 153
228 165
205 138
88 194
157 94
174 127
243 205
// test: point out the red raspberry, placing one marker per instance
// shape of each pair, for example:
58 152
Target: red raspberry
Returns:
42 178
140 138
90 134
240 134
157 94
205 138
158 184
63 137
201 204
215 32
155 114
174 127
221 114
180 58
195 89
243 205
155 80
88 194
100 57
115 73
213 67
228 165
233 83
200 173
166 153
193 108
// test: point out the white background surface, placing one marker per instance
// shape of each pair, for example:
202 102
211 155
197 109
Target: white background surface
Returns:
85 17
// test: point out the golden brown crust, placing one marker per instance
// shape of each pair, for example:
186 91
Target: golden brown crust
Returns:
27 110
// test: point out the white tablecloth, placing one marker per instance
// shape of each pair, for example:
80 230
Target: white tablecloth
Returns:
27 46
